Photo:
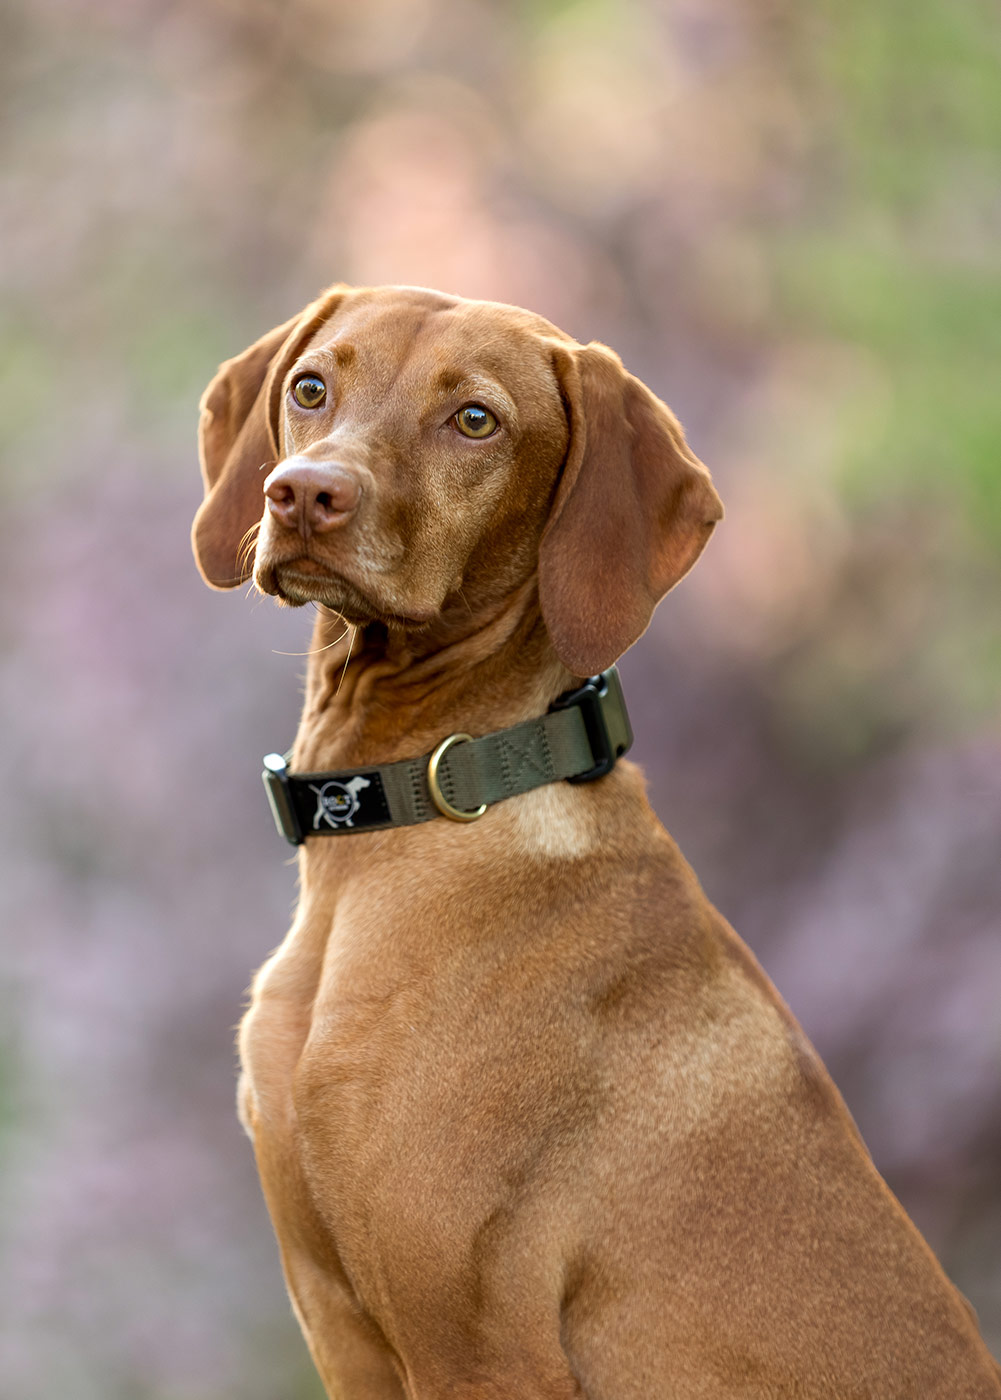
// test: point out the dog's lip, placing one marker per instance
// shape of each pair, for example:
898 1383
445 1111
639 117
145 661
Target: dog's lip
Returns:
303 568
307 568
306 564
310 570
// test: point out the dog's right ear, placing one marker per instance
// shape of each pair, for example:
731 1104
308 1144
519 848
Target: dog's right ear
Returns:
238 444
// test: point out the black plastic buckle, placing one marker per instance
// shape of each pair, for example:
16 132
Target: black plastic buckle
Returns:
606 722
276 784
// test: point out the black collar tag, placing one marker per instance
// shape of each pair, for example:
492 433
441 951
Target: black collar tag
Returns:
355 801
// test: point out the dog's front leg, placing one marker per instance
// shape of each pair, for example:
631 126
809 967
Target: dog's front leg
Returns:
356 1362
349 1350
516 1382
502 1357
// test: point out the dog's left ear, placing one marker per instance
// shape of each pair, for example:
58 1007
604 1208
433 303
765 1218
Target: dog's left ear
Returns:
633 511
238 443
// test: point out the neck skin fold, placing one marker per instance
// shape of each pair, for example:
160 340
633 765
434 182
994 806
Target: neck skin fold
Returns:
375 694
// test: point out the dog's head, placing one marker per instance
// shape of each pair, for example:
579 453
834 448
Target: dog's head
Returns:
392 451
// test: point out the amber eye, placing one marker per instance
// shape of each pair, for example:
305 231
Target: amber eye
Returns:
475 421
309 391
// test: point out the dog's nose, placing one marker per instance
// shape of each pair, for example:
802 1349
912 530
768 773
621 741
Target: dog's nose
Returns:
312 496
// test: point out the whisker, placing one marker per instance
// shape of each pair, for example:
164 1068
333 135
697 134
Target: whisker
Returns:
316 651
247 543
344 670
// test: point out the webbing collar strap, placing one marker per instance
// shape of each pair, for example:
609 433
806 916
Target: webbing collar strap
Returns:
579 739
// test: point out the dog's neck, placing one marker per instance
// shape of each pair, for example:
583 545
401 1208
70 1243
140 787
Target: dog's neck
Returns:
375 694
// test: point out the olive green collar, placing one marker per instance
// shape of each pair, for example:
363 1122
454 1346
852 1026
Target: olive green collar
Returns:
579 739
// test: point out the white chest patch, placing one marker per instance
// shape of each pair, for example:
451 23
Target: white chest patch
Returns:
552 821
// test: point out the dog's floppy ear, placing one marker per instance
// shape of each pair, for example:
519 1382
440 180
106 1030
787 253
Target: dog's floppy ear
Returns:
633 510
238 444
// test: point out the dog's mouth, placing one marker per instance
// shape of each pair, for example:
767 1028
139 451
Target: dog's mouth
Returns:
304 579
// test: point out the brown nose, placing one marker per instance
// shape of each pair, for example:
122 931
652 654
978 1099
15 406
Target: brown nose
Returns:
312 497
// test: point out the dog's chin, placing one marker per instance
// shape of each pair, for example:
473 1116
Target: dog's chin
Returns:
302 581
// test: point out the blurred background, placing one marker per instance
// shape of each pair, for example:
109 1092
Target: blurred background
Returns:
787 219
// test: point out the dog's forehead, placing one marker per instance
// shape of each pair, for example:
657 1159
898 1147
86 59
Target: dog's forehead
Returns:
398 334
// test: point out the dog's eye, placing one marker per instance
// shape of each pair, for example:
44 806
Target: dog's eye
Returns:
309 391
475 421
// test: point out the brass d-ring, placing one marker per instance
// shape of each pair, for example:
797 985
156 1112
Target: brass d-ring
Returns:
439 799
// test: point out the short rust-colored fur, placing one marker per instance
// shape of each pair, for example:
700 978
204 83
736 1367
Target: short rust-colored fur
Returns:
530 1121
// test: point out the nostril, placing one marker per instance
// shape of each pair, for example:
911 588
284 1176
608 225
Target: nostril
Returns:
281 493
339 494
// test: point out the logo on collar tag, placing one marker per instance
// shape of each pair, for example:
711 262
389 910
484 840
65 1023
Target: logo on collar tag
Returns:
337 803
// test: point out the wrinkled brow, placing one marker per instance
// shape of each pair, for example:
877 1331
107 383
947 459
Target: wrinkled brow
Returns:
319 359
336 353
449 383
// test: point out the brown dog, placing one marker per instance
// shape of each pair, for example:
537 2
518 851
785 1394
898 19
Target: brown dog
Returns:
530 1121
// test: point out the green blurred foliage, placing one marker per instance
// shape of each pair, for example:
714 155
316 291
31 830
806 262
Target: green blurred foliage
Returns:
904 255
896 252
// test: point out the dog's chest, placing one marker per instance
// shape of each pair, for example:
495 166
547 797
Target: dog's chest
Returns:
380 1093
